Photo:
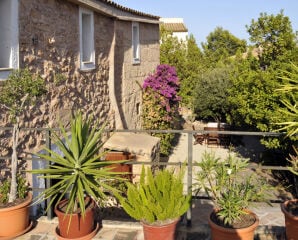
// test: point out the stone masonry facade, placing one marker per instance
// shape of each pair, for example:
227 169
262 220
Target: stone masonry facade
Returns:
49 46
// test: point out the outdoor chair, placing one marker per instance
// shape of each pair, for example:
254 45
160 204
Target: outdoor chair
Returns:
199 137
212 138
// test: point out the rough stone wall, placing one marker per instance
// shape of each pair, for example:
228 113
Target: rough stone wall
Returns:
49 46
133 75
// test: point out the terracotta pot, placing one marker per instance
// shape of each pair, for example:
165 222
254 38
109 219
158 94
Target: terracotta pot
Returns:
222 233
122 168
164 232
79 226
86 237
291 221
15 219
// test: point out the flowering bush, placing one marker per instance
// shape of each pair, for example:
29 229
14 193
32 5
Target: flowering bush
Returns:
161 103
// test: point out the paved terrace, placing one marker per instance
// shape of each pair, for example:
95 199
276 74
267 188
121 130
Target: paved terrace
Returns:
271 226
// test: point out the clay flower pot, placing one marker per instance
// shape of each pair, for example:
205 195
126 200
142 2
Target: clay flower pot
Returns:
79 226
224 233
15 219
86 237
158 232
291 220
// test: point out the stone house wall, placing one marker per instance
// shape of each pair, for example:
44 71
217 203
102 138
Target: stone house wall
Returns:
133 75
49 46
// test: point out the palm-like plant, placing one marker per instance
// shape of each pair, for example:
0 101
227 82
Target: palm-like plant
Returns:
291 111
79 171
157 198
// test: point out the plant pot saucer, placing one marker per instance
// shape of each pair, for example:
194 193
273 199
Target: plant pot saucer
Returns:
86 237
19 233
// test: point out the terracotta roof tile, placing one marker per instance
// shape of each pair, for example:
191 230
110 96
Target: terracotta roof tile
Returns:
175 27
111 3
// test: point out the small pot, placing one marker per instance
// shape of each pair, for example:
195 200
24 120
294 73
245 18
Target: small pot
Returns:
291 221
224 233
158 232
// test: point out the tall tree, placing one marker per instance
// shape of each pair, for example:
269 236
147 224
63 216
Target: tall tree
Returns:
186 57
220 45
211 95
193 69
274 36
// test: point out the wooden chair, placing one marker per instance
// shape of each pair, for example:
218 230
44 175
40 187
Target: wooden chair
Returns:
199 138
212 138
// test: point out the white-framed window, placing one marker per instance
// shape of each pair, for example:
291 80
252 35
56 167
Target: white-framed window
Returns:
9 37
135 43
87 51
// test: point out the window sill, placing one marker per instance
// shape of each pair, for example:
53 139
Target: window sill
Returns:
87 66
136 62
4 73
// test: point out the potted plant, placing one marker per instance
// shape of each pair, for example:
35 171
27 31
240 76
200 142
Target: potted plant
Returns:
18 93
81 178
290 207
157 201
232 189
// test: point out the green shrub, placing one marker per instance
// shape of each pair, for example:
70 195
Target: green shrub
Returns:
156 199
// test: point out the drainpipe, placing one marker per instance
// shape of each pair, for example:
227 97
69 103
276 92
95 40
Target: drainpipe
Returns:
111 82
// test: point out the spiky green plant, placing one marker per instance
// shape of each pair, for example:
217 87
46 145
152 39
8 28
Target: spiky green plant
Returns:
228 184
156 198
291 111
79 171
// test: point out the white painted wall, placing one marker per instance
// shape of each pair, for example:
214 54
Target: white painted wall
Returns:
5 30
9 42
182 36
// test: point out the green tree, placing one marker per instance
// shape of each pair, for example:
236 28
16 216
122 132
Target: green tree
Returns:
19 92
211 95
252 97
186 57
193 69
255 103
274 36
221 45
172 51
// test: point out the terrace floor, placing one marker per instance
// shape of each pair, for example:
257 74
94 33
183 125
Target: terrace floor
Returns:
271 226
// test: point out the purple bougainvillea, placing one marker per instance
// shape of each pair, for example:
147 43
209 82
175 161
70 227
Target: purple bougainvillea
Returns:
160 110
165 82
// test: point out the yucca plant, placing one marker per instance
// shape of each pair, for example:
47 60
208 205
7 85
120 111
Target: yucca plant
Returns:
290 86
156 198
79 170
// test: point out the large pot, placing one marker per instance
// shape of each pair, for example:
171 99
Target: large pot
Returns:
72 226
86 237
158 232
223 233
15 219
291 221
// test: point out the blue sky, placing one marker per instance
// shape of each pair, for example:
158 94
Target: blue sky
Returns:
203 16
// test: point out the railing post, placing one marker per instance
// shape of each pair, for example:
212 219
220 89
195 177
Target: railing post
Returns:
48 181
189 175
